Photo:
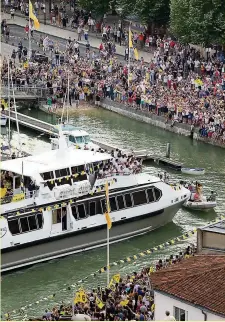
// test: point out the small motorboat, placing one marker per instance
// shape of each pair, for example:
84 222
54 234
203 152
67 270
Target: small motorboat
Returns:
200 205
193 171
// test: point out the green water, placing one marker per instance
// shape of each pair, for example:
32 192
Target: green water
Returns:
30 285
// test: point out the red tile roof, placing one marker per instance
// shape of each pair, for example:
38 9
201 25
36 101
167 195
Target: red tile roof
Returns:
199 280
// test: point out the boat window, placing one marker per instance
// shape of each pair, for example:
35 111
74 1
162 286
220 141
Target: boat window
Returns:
158 193
86 139
72 139
74 212
80 168
128 200
17 182
62 172
92 208
14 226
103 204
50 184
47 175
150 195
40 220
81 211
32 222
56 216
120 202
74 170
79 139
139 198
113 204
24 224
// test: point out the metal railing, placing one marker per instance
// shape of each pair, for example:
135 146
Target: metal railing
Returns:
28 90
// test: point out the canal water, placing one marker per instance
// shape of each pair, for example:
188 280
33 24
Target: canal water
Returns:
29 285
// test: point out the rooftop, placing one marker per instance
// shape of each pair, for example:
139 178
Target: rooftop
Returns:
52 160
218 227
199 280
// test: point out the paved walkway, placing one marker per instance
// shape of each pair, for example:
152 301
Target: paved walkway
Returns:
65 34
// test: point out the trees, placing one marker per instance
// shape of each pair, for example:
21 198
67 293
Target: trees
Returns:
198 21
97 7
148 11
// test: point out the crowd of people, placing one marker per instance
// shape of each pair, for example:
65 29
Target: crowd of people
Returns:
121 163
177 83
126 298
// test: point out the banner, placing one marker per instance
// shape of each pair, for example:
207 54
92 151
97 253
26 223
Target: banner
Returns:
80 297
116 278
99 303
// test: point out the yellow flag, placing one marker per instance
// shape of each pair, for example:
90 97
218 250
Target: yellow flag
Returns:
111 285
116 278
33 17
151 270
124 303
99 303
136 54
107 216
130 39
80 297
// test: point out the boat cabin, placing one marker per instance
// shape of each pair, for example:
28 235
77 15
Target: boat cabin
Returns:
75 136
56 174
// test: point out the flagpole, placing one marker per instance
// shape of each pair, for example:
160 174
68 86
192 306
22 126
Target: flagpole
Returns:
107 256
29 35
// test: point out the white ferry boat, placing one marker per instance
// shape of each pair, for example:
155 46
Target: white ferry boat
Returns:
57 204
75 136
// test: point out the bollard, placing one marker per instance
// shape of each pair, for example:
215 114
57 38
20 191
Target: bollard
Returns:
168 150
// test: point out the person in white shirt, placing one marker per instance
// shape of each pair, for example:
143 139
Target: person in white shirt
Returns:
169 317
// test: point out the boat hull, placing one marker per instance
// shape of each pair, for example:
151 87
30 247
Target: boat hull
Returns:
21 256
204 205
193 171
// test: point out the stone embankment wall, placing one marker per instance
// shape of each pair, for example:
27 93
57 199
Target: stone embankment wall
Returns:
160 121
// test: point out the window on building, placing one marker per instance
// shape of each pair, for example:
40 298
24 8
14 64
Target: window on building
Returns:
128 200
14 226
32 222
92 208
139 198
150 195
24 224
62 172
80 168
180 314
74 170
113 204
47 175
74 212
120 202
158 193
81 211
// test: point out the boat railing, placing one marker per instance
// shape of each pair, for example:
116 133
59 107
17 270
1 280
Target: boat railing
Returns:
11 197
120 173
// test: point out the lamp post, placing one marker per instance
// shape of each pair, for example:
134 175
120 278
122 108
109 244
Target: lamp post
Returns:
45 13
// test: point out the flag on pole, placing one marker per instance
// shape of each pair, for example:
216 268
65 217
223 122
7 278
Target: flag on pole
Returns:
107 216
33 17
130 39
131 45
116 278
99 303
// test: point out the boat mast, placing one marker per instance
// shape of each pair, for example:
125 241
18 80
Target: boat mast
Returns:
68 98
17 123
9 110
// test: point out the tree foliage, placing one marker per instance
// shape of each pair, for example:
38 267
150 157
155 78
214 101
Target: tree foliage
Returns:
198 21
97 7
148 11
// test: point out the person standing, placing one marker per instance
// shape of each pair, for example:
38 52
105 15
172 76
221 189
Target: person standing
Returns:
169 317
